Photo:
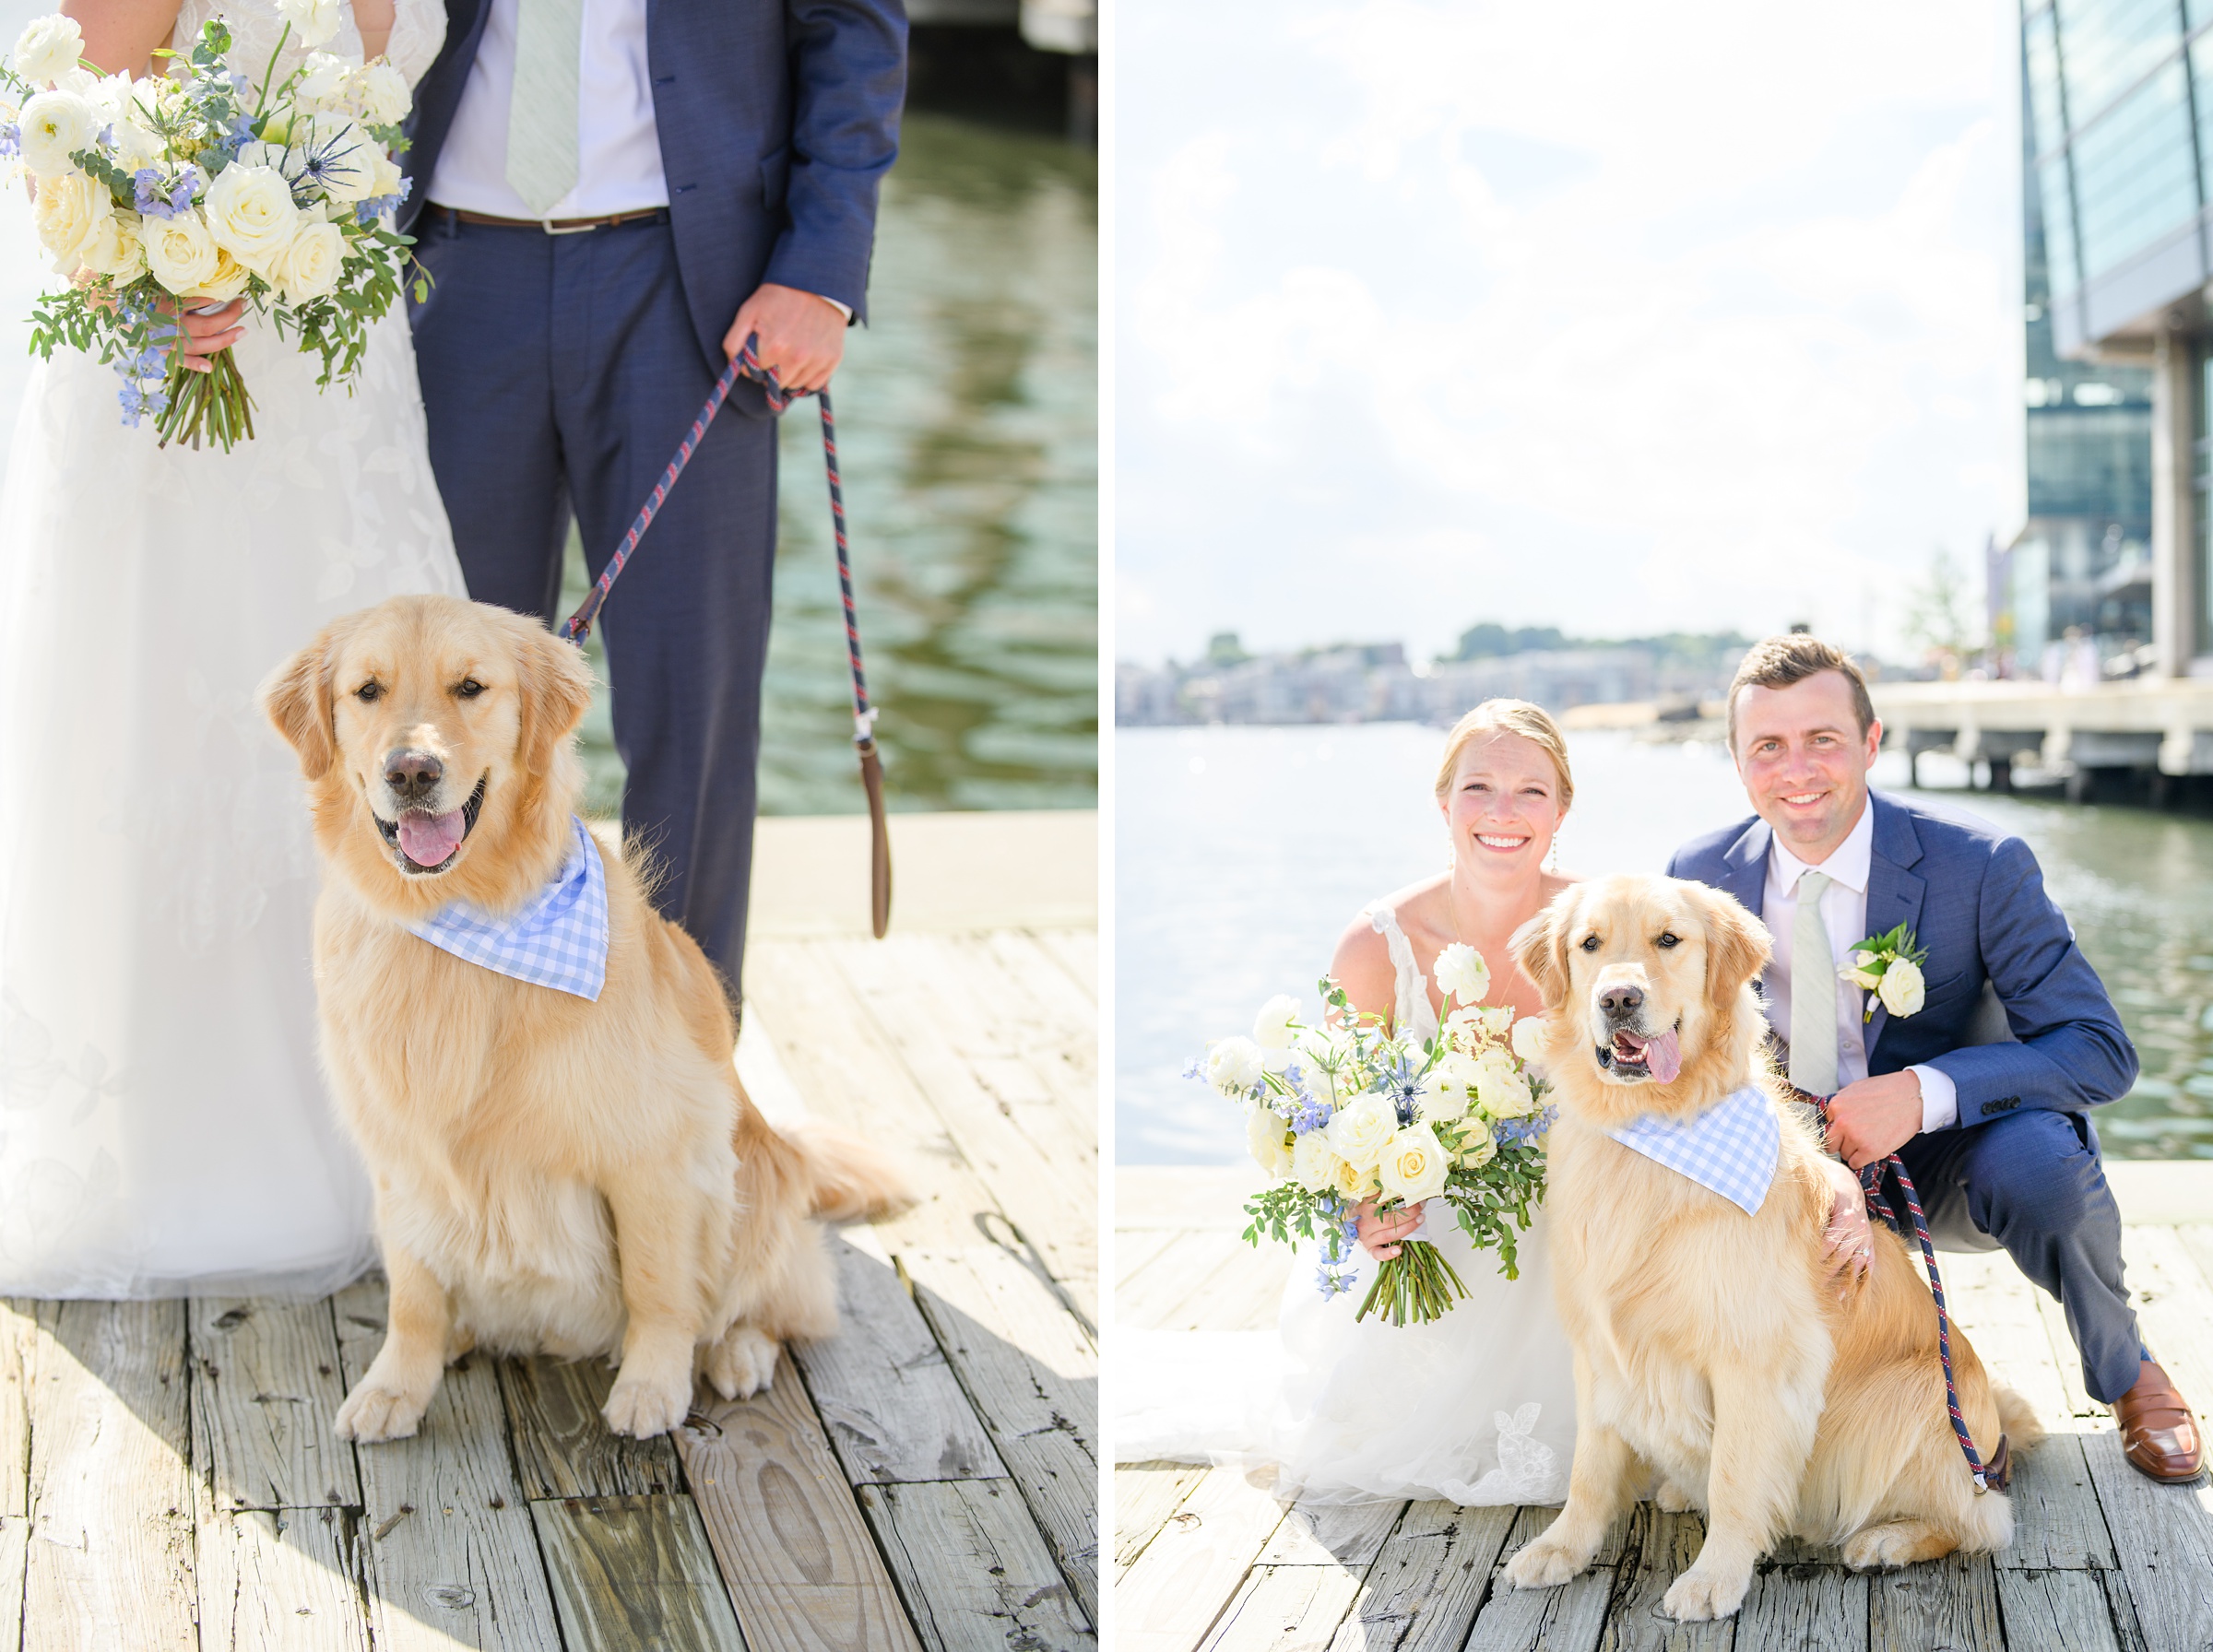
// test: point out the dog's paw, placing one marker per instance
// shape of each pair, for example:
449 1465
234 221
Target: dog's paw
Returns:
643 1407
379 1408
1673 1498
742 1363
1544 1564
1699 1595
1899 1543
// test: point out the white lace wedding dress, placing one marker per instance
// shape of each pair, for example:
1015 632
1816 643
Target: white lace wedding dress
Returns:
1475 1408
163 1126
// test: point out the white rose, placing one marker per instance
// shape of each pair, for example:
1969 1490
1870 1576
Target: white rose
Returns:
135 146
1358 1134
1233 1066
1269 1139
347 161
227 283
1314 1165
313 21
180 251
54 126
1414 1165
310 268
250 215
1529 1038
114 248
324 84
1901 991
1860 971
1272 1027
67 210
1356 1182
49 49
1461 972
384 94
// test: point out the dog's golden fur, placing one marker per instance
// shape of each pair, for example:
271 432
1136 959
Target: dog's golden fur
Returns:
1710 1350
551 1174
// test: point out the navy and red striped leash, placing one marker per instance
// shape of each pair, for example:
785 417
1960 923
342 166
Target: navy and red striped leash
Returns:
1998 1472
746 364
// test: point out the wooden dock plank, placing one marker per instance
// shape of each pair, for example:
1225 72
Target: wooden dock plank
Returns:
1133 1249
18 1347
450 1554
264 1390
1031 1374
1660 1548
794 1549
110 1558
893 1409
1154 1297
1146 1496
1194 1566
634 1571
1286 1609
1568 1619
1423 1591
562 1447
280 1580
1332 1534
2056 1609
975 1573
1951 1602
1077 951
1804 1606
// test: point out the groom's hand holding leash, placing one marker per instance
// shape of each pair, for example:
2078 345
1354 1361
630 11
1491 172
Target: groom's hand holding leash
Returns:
1872 1119
802 337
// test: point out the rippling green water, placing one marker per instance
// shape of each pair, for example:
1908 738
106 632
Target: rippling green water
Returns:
967 436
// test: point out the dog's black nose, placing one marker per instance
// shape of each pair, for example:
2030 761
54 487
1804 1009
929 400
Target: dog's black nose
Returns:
1621 1001
412 775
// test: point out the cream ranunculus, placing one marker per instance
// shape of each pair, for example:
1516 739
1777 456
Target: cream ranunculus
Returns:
313 21
1461 972
1452 1086
114 248
326 85
1233 1066
1314 1164
49 49
1269 1139
384 177
1414 1165
180 251
1478 1147
68 211
1903 988
136 146
1529 1038
53 127
384 92
345 159
1358 1134
1272 1027
1505 1092
310 267
250 215
1495 1019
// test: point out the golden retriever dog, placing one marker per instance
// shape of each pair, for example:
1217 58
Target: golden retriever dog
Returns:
552 1174
1709 1349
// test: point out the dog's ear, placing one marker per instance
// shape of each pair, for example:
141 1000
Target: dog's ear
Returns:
297 700
1540 947
1737 944
556 692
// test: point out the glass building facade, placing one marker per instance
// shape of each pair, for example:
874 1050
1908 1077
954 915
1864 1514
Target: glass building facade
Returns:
2118 140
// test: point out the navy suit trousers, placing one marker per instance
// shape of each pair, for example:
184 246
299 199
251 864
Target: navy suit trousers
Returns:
2032 1181
559 374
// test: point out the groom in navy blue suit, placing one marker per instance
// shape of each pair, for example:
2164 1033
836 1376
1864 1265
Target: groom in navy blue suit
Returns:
609 196
1984 1089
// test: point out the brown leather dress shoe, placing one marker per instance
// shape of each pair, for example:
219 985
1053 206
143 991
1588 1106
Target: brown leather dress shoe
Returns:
2159 1435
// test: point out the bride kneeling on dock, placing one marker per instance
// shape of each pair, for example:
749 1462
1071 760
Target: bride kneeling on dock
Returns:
1476 1406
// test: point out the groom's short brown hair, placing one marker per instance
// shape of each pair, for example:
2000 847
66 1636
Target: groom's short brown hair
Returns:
1778 662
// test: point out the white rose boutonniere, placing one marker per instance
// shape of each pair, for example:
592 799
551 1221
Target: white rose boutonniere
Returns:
1887 967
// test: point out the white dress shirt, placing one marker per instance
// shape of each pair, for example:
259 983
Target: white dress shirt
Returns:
1844 915
618 145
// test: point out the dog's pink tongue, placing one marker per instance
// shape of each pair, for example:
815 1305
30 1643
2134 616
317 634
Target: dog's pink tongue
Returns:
429 839
1663 1058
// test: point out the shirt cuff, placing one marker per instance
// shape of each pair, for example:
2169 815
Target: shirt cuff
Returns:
1939 1099
843 310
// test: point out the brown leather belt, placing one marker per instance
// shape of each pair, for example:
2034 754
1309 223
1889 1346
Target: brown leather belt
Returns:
556 226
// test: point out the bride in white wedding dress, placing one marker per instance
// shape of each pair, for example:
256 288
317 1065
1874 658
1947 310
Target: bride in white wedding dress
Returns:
163 1127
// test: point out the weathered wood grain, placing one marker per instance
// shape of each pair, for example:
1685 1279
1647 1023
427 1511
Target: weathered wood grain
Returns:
1568 1619
18 1346
1077 951
1802 1606
280 1580
562 1445
1202 1274
1422 1592
1133 1247
1286 1609
634 1571
15 1539
892 1404
973 1570
1194 1566
1027 1011
2174 1305
792 1545
2062 1610
1951 1603
1146 1495
1031 1374
450 1552
110 1556
1332 1534
1661 1547
264 1390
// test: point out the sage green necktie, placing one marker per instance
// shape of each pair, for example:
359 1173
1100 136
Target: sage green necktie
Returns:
541 115
1813 992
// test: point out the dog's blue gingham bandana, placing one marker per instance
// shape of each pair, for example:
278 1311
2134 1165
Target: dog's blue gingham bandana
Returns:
1730 1147
558 940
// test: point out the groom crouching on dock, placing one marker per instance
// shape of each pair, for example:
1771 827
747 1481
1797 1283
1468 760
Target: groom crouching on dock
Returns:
1996 1135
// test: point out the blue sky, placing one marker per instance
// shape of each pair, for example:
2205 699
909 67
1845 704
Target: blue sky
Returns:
1620 318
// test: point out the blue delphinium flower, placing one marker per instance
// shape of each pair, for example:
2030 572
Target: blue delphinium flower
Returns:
1312 1115
155 197
139 400
11 139
368 211
1196 1069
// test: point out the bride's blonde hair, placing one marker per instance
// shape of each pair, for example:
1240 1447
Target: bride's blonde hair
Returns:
1508 717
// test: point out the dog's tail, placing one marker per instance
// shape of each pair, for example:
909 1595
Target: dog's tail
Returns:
848 1179
2016 1418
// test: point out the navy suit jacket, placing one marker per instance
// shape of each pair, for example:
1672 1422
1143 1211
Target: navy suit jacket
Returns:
1975 899
777 120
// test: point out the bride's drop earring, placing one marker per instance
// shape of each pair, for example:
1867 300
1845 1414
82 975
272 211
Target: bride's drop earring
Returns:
1552 854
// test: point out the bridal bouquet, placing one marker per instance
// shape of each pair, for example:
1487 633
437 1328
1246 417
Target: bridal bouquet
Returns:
195 187
1344 1113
